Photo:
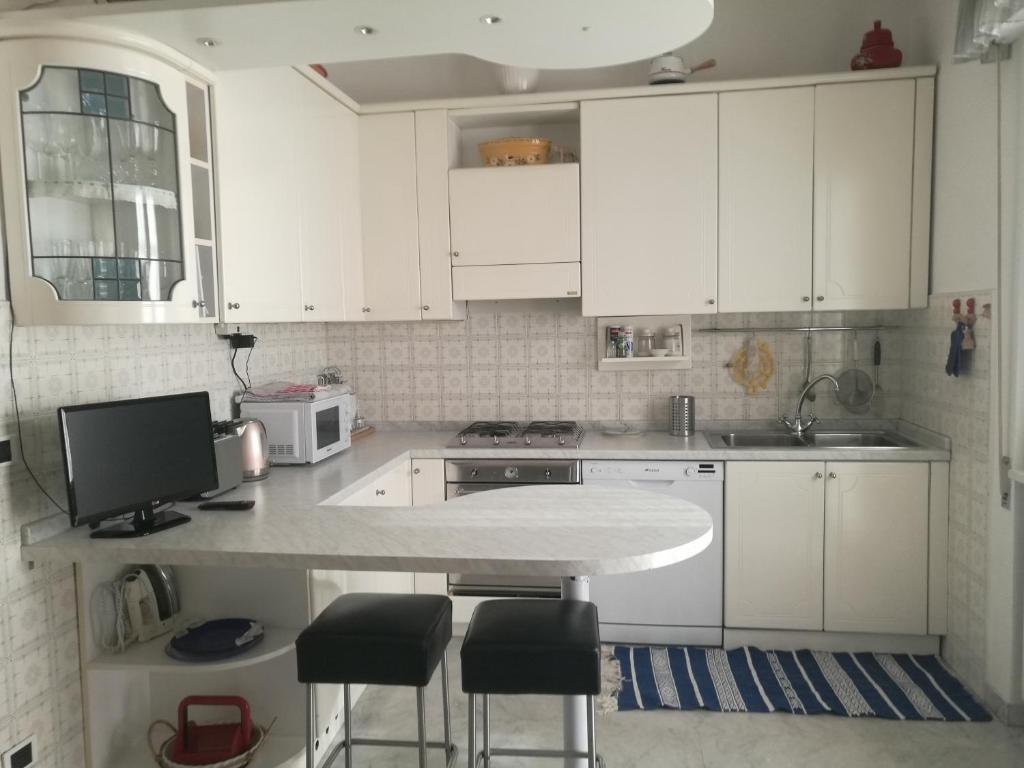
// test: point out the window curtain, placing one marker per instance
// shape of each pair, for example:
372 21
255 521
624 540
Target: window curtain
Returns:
984 24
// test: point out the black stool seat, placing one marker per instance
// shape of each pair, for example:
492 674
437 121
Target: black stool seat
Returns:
533 646
378 639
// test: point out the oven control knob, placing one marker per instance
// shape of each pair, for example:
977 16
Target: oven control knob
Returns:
511 473
547 473
690 472
474 473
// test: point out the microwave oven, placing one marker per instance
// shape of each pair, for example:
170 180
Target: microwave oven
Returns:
304 432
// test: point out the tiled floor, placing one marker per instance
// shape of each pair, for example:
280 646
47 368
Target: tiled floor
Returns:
690 739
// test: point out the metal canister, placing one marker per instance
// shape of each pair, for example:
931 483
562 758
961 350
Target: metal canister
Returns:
683 415
614 332
627 345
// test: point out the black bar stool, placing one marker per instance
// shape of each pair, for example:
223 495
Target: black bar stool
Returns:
538 646
377 639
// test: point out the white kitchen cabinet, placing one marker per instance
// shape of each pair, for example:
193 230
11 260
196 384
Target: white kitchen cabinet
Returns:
521 215
392 489
774 544
876 547
433 161
863 194
649 217
288 199
101 145
391 249
428 488
766 177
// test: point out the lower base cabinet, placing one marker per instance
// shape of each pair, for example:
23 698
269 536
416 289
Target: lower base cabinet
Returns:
839 546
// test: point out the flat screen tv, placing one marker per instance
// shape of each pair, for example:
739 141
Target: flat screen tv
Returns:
136 457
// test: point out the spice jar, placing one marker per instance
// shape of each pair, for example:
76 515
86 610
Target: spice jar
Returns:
645 343
673 340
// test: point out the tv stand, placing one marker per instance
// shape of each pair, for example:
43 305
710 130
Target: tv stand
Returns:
143 523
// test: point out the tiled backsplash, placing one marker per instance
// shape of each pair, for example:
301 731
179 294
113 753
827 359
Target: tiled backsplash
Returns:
543 365
959 408
39 674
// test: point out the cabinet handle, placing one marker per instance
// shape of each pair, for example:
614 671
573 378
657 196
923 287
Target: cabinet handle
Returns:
236 305
310 307
832 475
818 475
806 298
426 307
820 298
366 309
416 471
455 254
198 304
711 301
380 492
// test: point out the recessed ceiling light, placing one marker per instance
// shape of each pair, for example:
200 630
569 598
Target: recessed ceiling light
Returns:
490 19
365 31
208 42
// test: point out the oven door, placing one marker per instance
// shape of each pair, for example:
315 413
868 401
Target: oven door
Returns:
469 585
329 428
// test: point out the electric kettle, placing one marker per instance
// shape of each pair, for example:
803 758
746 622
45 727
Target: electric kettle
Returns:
255 448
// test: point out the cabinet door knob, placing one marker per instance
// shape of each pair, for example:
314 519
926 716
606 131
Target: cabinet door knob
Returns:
455 254
416 471
380 492
711 301
806 298
236 305
832 475
198 304
818 475
426 307
366 309
820 298
310 307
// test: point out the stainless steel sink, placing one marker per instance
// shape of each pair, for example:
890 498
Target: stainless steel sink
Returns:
838 440
855 440
755 440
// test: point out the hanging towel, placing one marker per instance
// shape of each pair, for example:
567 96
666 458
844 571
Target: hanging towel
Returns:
956 350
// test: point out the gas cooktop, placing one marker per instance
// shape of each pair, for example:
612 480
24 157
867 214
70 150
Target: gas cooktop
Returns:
512 434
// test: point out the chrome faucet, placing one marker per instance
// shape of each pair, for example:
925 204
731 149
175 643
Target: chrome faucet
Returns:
797 425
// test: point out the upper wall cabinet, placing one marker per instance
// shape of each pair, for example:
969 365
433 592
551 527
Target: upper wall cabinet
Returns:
289 199
766 176
405 217
864 194
107 186
650 205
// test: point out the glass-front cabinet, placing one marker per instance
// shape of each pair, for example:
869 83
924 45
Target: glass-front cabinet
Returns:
107 186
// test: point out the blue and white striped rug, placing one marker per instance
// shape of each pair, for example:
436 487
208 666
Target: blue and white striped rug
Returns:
892 686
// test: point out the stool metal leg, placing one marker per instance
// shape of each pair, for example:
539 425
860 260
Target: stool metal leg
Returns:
472 730
445 702
591 734
310 726
487 731
348 725
421 723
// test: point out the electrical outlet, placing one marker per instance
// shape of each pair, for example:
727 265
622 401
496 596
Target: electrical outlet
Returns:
20 755
6 450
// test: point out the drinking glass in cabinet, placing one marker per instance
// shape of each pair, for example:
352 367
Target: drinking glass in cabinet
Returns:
101 172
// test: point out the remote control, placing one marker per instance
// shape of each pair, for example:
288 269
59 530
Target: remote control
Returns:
236 506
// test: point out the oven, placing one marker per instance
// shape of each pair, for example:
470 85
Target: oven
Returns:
464 476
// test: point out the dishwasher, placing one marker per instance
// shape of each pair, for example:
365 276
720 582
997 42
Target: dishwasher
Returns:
676 604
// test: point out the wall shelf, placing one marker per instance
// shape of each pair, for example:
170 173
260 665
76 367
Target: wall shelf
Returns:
150 657
658 324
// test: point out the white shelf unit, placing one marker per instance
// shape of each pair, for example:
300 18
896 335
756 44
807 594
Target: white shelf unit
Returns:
125 693
559 123
658 324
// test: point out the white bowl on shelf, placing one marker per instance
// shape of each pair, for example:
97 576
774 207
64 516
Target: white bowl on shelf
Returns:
659 352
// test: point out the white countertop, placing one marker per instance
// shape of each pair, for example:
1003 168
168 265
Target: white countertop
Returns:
290 527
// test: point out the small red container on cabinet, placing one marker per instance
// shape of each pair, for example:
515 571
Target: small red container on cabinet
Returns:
877 50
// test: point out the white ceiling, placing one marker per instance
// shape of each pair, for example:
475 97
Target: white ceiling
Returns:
548 34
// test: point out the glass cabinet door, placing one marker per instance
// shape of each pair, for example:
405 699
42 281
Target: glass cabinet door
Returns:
101 166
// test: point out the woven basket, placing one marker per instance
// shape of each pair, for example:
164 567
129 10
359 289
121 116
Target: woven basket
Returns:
515 151
162 758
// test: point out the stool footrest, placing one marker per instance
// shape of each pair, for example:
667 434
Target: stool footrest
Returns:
525 752
451 750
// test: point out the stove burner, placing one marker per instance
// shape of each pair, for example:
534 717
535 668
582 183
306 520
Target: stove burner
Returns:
492 429
512 434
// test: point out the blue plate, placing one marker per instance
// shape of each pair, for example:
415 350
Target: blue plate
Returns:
215 640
